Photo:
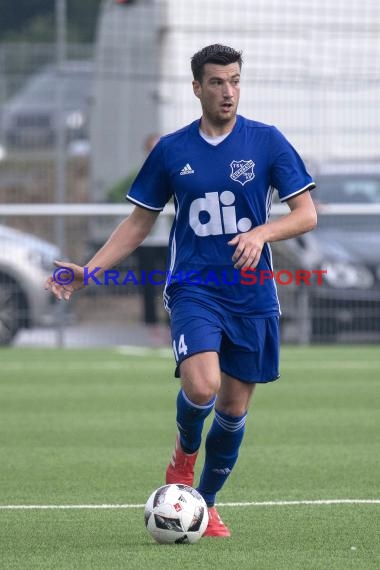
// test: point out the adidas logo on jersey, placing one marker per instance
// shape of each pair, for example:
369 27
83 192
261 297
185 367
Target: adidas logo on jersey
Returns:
186 170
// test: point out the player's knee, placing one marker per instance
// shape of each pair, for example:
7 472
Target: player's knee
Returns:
234 397
200 376
233 409
200 390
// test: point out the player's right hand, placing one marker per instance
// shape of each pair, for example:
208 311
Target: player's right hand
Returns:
66 279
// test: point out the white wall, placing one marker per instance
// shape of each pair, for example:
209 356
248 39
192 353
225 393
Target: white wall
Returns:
310 66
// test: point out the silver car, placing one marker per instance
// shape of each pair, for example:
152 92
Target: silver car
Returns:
345 306
25 262
29 118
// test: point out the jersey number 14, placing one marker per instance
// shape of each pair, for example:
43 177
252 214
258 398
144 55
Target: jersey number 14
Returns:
181 348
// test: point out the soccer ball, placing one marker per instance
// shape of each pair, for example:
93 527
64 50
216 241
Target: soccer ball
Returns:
176 514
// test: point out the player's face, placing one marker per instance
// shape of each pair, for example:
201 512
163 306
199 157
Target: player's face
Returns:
219 94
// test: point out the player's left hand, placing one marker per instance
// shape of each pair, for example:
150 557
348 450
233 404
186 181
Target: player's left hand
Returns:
249 246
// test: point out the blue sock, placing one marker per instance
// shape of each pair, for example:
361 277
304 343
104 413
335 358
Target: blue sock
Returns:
190 420
222 450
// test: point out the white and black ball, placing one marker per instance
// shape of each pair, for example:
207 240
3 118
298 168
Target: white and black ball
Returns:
176 514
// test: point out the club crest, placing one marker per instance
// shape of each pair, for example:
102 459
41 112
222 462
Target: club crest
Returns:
242 171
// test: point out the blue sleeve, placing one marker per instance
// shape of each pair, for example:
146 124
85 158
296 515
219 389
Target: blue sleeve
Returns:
151 188
288 173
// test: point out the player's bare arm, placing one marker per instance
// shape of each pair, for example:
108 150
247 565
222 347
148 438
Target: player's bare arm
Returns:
125 239
302 218
128 235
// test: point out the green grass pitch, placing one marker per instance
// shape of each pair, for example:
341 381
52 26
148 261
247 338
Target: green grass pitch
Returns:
96 427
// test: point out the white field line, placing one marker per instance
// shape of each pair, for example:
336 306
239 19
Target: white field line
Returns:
295 364
317 502
49 367
164 353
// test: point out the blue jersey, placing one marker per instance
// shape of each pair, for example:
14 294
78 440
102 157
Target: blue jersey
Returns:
219 191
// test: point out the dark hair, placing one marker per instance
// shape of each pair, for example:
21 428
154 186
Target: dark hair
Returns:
216 53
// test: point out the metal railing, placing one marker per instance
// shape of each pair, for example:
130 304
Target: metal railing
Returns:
333 311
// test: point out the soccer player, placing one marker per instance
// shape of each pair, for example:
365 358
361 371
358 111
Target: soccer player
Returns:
221 171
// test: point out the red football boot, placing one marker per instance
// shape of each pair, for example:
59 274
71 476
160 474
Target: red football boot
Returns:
181 466
216 526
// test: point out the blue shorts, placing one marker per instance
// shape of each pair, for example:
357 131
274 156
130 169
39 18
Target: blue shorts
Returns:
248 347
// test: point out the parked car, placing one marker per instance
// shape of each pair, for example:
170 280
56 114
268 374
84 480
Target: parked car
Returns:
25 262
347 247
29 118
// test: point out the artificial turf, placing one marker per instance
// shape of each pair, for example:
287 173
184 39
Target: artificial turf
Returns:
83 428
